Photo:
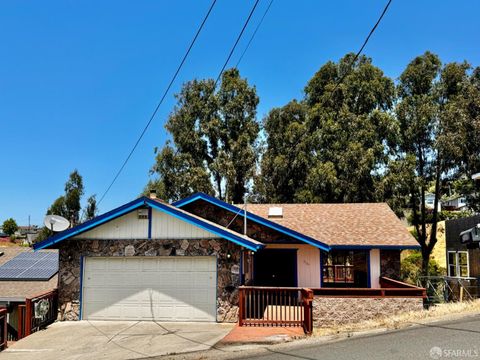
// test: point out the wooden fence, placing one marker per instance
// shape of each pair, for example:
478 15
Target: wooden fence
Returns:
36 313
388 288
276 306
39 312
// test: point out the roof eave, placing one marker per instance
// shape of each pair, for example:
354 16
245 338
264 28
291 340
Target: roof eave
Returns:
252 217
135 204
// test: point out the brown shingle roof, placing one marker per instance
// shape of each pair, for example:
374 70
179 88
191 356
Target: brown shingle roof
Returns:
357 224
19 290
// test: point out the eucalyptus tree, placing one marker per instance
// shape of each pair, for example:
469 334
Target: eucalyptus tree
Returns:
337 140
214 140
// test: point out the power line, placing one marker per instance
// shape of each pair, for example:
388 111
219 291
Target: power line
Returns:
160 102
254 33
231 53
338 82
363 45
236 43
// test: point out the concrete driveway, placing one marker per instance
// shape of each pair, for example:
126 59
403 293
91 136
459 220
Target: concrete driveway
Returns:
116 340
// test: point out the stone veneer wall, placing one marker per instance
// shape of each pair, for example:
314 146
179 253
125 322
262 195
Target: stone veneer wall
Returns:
228 270
223 217
332 311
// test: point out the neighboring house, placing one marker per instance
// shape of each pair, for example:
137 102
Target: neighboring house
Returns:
462 261
24 275
24 230
455 203
430 202
185 261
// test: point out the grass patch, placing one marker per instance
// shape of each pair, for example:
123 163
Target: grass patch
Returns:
436 312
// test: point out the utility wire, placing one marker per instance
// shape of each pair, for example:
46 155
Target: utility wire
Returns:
254 33
159 103
338 82
230 54
363 46
236 43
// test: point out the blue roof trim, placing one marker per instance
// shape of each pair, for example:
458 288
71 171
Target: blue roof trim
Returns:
87 225
253 217
135 204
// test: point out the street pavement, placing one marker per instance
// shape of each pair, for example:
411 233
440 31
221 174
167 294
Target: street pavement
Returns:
458 339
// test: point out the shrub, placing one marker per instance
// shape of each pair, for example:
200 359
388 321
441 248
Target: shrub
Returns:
411 268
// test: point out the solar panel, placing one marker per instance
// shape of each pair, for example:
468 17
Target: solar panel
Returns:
30 266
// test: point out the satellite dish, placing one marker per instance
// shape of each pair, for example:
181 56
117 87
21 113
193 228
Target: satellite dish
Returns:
56 223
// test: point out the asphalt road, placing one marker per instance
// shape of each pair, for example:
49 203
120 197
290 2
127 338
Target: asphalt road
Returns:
459 339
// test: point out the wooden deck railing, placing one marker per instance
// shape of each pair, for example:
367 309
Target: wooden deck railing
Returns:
39 312
3 328
276 306
388 288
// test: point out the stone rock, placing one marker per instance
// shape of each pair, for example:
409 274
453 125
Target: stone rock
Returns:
95 245
333 311
184 244
151 252
180 252
235 269
164 252
129 250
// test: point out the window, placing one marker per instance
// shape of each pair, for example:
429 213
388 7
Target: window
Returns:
344 269
458 264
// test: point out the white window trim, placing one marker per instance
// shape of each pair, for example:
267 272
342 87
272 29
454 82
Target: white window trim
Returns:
457 264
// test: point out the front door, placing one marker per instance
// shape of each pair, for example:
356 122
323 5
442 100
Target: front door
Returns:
276 267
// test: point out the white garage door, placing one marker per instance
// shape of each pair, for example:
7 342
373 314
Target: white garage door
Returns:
150 288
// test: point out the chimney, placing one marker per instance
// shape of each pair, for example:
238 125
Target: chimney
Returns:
153 194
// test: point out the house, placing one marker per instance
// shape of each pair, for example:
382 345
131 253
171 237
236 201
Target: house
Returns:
430 202
25 275
185 261
455 203
463 257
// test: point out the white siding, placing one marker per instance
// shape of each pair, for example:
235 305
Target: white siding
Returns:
308 263
127 226
375 268
164 226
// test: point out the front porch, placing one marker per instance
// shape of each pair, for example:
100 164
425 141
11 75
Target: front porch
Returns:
303 265
299 285
323 307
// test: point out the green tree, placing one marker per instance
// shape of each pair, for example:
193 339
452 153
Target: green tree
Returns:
417 113
73 194
281 179
91 209
68 205
214 147
459 138
336 142
9 226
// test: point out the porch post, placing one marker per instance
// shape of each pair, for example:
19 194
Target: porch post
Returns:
374 268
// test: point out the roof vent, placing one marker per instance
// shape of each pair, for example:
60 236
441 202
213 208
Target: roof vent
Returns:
275 212
142 214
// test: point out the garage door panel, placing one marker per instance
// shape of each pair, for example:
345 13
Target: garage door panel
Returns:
160 288
166 264
202 278
184 265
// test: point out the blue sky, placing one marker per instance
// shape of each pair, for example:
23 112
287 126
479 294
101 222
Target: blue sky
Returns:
79 79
